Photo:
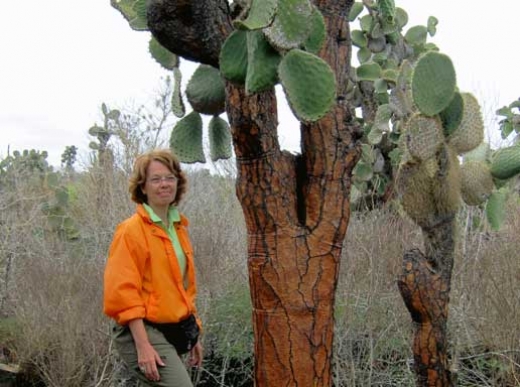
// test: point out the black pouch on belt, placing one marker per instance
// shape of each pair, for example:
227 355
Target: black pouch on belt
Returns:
182 335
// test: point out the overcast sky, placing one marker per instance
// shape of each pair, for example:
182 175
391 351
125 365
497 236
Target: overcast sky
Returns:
62 58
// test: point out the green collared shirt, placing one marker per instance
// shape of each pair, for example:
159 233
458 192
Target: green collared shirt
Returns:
173 216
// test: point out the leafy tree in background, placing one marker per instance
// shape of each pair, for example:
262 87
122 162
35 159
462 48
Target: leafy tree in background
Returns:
414 125
510 123
68 157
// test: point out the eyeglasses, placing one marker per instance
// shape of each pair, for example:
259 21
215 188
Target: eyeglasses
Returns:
156 180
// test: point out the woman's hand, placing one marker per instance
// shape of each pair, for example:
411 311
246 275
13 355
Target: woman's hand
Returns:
148 359
196 355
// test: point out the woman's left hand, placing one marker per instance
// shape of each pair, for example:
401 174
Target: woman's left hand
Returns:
196 355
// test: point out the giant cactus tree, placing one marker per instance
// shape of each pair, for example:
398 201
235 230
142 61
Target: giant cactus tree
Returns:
443 126
426 125
429 183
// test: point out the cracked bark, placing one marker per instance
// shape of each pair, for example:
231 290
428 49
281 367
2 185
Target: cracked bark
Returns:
296 207
425 287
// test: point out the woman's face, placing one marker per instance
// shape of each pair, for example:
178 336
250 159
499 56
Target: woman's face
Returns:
160 186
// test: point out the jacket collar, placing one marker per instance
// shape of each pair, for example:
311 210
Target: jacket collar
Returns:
173 214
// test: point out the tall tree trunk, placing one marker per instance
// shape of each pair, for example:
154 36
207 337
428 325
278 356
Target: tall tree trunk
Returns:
294 245
425 287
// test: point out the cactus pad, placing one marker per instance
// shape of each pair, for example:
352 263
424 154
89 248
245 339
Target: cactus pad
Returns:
369 71
496 209
186 139
452 116
134 11
377 45
260 15
415 192
416 35
480 153
355 10
363 171
430 197
381 125
433 83
476 182
401 96
446 187
178 108
380 91
233 57
389 75
387 8
505 163
162 55
470 132
431 167
432 25
205 91
364 55
219 139
97 130
401 17
377 30
383 115
291 25
262 63
359 39
367 23
309 84
318 32
423 136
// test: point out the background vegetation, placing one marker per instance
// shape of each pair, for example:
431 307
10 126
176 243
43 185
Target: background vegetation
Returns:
56 226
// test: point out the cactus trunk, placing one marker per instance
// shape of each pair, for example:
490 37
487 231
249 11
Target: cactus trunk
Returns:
425 287
293 308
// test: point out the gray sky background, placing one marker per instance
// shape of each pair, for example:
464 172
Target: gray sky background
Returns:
62 58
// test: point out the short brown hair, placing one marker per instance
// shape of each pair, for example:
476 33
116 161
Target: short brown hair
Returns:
138 177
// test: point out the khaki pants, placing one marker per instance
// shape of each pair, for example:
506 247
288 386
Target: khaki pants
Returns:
174 374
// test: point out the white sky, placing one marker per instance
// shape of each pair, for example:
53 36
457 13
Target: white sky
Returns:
62 58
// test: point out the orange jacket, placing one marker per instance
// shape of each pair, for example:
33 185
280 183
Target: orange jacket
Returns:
142 277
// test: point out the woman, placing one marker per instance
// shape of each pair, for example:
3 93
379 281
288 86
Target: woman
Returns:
149 277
